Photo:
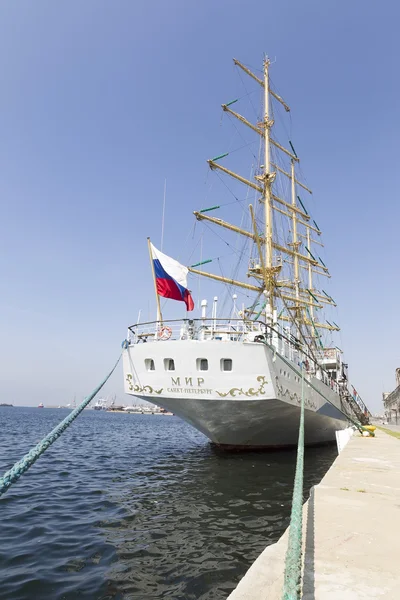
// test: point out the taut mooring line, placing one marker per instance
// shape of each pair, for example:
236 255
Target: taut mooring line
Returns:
20 467
292 575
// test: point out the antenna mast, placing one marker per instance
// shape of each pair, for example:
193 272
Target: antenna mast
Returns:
163 215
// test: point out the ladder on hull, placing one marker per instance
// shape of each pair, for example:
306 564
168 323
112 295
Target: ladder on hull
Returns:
358 409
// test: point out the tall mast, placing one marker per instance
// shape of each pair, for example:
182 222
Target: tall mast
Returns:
264 269
295 242
267 181
310 284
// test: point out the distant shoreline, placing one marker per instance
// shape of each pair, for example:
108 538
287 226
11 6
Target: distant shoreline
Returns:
130 412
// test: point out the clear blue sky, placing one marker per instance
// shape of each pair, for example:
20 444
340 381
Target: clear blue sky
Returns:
102 100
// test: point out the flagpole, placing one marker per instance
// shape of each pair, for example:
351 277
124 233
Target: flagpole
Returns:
159 314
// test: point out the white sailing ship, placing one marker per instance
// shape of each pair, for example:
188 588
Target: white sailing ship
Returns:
239 379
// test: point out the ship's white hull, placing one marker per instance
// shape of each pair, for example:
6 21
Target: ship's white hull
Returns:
256 405
253 423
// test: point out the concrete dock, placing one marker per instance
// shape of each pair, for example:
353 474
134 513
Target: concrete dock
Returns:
351 531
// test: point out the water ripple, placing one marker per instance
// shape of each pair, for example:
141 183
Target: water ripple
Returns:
124 507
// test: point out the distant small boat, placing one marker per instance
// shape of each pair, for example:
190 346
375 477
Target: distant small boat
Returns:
101 404
133 409
41 405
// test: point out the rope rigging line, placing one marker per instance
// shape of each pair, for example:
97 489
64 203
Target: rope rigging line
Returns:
243 138
227 187
246 145
20 467
279 112
247 93
234 251
298 325
292 575
237 290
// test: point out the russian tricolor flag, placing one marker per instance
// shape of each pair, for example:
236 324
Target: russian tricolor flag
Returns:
171 278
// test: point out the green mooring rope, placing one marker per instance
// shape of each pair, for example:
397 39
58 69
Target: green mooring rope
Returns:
27 461
292 577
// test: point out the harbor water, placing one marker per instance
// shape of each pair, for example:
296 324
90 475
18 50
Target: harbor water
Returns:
127 506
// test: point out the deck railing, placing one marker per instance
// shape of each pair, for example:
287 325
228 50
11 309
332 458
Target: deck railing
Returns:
196 329
238 330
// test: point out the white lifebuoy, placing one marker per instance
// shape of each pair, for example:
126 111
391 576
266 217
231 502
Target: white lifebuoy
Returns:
165 333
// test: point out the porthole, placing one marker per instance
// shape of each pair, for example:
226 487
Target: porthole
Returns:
202 364
226 364
149 363
169 364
